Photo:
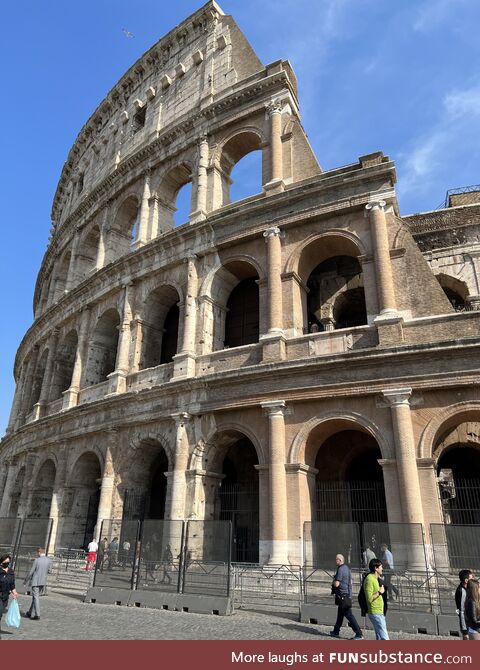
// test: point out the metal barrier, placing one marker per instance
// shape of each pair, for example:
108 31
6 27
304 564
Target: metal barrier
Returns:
118 554
9 534
408 576
267 586
453 548
160 556
207 558
34 533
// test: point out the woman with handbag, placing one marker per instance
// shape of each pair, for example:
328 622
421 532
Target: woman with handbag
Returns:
7 585
342 590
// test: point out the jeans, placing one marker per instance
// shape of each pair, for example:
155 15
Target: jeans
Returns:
349 616
379 625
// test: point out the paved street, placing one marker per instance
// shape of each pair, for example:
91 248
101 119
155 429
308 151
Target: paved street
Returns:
68 618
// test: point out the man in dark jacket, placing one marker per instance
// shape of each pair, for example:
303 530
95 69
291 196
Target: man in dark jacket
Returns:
460 595
7 584
342 589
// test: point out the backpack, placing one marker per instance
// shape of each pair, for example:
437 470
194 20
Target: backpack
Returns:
362 598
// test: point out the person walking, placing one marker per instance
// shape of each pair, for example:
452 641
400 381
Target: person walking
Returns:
342 589
460 596
92 554
37 580
472 609
389 570
373 596
7 585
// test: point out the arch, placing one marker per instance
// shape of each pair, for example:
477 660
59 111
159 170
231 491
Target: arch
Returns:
319 246
224 281
144 482
81 499
168 189
203 457
121 233
64 364
42 490
37 381
331 423
455 290
234 147
17 492
102 353
86 258
160 326
61 275
447 418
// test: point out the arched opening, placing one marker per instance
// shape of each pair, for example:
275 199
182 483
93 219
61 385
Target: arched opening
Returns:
64 363
102 354
238 498
160 327
349 483
41 499
336 297
16 493
122 233
86 258
174 201
246 176
183 205
146 482
38 378
242 319
80 501
455 290
61 274
458 472
236 319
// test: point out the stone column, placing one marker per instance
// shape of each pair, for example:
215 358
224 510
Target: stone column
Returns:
11 469
118 378
39 407
107 486
176 479
57 495
70 280
184 362
278 482
383 264
138 326
274 340
100 261
26 494
17 402
28 387
276 184
200 212
70 396
408 480
142 230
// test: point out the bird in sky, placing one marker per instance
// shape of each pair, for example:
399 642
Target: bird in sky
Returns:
127 33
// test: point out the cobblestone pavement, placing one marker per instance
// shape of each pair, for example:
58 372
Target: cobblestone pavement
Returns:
66 617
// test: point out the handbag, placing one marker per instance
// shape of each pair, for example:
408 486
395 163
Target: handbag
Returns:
13 615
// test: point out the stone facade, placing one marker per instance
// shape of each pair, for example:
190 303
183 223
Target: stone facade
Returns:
227 367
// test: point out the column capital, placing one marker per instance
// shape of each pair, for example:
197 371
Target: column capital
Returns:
181 418
274 231
274 407
274 107
375 204
398 396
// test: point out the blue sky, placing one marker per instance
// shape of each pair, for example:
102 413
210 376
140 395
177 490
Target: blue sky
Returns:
402 77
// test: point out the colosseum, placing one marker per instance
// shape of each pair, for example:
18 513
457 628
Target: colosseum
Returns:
303 356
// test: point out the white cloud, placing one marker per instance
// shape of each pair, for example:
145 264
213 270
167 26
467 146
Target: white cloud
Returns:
450 136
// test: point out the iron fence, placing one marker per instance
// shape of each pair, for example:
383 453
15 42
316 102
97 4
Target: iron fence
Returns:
267 586
34 533
207 558
350 501
159 564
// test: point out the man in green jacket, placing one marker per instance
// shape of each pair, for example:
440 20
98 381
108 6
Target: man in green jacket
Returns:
373 594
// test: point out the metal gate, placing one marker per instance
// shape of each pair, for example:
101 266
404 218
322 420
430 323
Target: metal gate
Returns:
351 501
239 504
460 500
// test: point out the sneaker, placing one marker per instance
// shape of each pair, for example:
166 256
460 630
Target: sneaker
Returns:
357 637
332 633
